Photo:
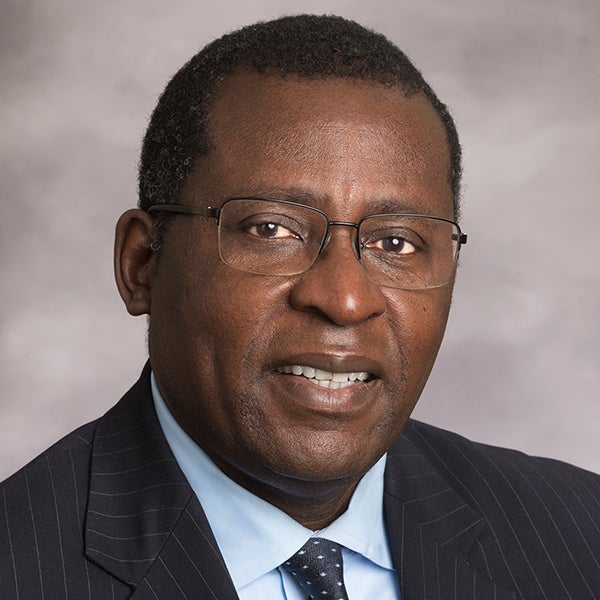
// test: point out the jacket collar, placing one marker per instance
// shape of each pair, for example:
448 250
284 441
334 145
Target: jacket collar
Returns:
433 532
143 520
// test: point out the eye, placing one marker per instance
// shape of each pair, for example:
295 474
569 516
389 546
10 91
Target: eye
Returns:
394 244
270 231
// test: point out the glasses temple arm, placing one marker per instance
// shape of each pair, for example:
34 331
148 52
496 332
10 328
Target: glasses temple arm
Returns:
186 210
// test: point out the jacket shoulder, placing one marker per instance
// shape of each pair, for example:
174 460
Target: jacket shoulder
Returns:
45 508
513 489
433 437
71 455
42 509
473 463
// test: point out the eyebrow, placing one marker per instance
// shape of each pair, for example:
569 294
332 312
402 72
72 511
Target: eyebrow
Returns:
291 194
314 199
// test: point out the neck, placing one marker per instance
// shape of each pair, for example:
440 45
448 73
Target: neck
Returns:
313 504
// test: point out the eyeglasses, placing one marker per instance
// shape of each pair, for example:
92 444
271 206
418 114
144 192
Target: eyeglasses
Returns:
279 237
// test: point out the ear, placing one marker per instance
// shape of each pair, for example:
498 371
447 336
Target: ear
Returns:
134 260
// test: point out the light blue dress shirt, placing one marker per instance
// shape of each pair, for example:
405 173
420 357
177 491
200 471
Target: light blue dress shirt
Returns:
271 536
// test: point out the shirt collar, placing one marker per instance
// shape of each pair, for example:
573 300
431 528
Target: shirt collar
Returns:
254 536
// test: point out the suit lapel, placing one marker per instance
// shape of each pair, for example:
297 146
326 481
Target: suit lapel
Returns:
189 565
144 525
432 532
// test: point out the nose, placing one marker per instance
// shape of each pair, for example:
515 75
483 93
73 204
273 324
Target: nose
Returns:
337 285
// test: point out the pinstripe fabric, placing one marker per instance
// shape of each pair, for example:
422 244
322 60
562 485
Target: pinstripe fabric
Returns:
466 515
42 511
107 514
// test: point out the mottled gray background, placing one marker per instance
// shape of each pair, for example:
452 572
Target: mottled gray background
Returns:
78 79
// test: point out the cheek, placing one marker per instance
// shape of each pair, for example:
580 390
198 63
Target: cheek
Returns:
237 318
435 317
430 320
420 321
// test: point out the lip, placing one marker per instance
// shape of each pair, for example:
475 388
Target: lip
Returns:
302 396
334 362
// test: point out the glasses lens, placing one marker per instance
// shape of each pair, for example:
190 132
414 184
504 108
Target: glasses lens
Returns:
269 237
408 252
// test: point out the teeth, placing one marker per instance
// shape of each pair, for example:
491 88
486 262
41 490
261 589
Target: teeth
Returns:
322 375
326 379
341 377
309 372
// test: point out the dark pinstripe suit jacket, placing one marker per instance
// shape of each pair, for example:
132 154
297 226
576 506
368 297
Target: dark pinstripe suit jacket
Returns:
107 514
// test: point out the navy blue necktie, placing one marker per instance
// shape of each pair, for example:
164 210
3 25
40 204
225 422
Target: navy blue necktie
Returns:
318 569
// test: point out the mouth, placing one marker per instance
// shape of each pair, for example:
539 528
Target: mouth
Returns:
326 379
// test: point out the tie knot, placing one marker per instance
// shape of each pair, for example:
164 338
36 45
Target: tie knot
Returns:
318 569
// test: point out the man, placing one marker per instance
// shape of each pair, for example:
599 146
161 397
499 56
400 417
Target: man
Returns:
295 249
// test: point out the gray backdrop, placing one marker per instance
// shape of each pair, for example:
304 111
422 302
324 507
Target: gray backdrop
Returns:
520 363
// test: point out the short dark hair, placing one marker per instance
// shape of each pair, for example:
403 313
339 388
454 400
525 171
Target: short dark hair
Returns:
310 46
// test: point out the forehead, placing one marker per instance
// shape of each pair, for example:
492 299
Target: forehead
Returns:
336 137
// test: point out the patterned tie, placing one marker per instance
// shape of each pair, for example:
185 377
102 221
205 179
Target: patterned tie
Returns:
318 569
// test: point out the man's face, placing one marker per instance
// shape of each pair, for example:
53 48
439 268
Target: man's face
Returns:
221 339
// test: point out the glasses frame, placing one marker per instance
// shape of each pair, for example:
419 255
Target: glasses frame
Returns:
215 213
